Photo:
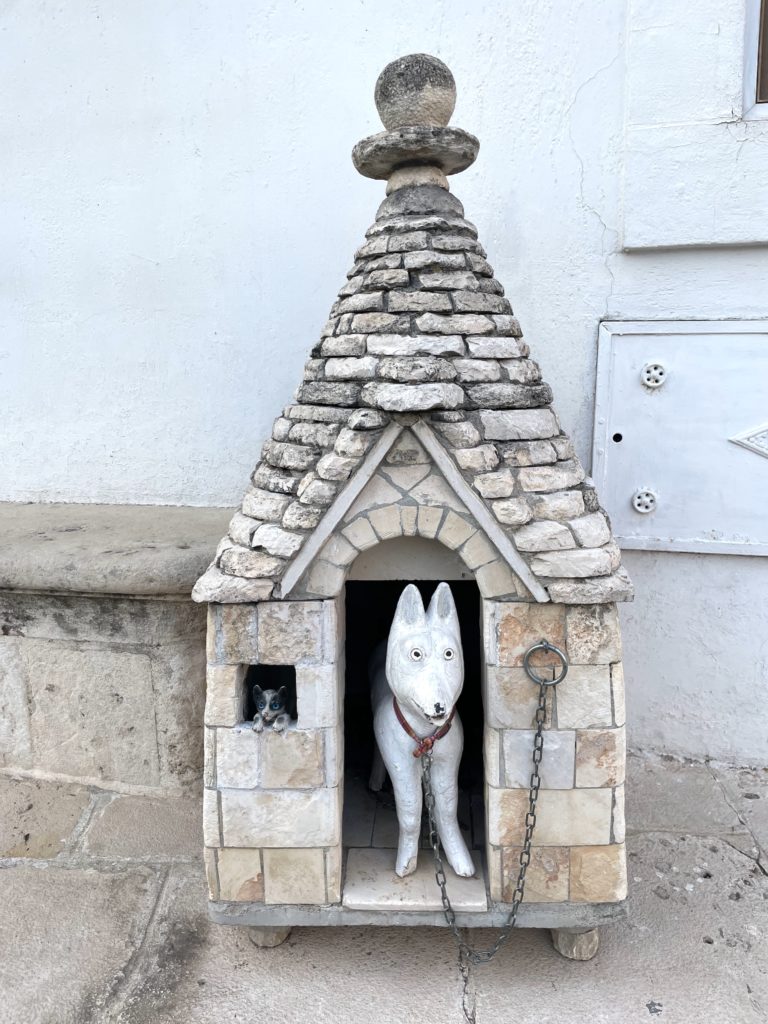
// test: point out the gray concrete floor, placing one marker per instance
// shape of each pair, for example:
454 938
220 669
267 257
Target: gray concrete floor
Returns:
103 919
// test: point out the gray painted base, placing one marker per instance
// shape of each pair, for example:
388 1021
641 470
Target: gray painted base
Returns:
580 916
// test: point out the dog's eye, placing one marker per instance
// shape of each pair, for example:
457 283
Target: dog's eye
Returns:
448 654
416 654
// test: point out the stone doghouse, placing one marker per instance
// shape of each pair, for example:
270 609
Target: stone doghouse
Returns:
422 445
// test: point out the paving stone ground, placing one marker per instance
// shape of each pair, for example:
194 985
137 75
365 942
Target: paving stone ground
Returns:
103 919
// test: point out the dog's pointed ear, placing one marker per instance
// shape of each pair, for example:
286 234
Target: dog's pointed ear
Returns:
410 609
442 607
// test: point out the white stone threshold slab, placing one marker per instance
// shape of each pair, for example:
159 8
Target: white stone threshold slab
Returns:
371 884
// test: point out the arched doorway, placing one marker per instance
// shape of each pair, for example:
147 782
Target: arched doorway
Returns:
372 590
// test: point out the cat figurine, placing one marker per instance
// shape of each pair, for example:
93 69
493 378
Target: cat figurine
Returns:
415 684
271 709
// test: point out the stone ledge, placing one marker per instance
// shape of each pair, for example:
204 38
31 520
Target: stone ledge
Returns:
136 550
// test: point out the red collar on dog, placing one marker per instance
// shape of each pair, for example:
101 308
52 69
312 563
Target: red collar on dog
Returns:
424 744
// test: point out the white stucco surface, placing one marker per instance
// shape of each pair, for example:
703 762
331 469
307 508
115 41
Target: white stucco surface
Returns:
180 208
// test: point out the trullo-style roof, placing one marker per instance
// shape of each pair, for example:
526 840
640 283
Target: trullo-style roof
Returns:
421 353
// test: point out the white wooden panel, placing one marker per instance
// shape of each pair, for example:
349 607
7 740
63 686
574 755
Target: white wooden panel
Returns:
699 442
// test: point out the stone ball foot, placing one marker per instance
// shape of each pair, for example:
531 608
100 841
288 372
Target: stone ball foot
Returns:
266 938
575 945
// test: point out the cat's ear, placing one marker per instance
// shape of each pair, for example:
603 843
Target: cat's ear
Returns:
282 694
410 609
442 608
257 691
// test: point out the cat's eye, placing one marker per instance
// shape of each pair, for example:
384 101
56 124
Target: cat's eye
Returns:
275 705
261 705
448 654
416 654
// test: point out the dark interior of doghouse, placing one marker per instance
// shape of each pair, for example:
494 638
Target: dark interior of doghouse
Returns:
370 607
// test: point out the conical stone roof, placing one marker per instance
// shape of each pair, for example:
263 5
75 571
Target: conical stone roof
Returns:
421 333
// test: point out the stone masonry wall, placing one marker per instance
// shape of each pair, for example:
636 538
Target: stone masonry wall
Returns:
102 689
579 853
272 801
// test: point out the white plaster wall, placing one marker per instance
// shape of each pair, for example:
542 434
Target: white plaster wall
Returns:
179 209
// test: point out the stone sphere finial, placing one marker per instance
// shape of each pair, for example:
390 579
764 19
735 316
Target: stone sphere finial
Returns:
415 90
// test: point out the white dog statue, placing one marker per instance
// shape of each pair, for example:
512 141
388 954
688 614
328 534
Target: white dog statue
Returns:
414 694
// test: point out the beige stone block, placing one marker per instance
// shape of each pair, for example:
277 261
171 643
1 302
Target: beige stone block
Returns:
271 817
481 459
493 858
211 833
317 696
593 634
294 876
547 877
378 491
591 531
209 758
433 490
600 757
511 699
338 551
496 579
584 698
333 872
290 632
565 817
492 756
361 534
225 695
15 740
333 749
619 826
543 535
241 877
90 711
292 759
325 579
406 477
211 872
557 762
407 451
500 484
237 757
455 531
617 690
408 519
478 551
598 874
38 817
234 634
386 521
519 625
428 521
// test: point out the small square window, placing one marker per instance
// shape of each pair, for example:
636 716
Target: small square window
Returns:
269 677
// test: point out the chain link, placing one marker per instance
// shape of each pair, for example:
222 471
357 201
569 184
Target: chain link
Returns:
484 956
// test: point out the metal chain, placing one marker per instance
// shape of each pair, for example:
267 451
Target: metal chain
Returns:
484 956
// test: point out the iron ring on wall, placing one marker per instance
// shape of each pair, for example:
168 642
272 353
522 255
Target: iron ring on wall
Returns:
545 645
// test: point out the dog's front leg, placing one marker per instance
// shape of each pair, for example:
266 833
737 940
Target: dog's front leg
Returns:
406 783
446 790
